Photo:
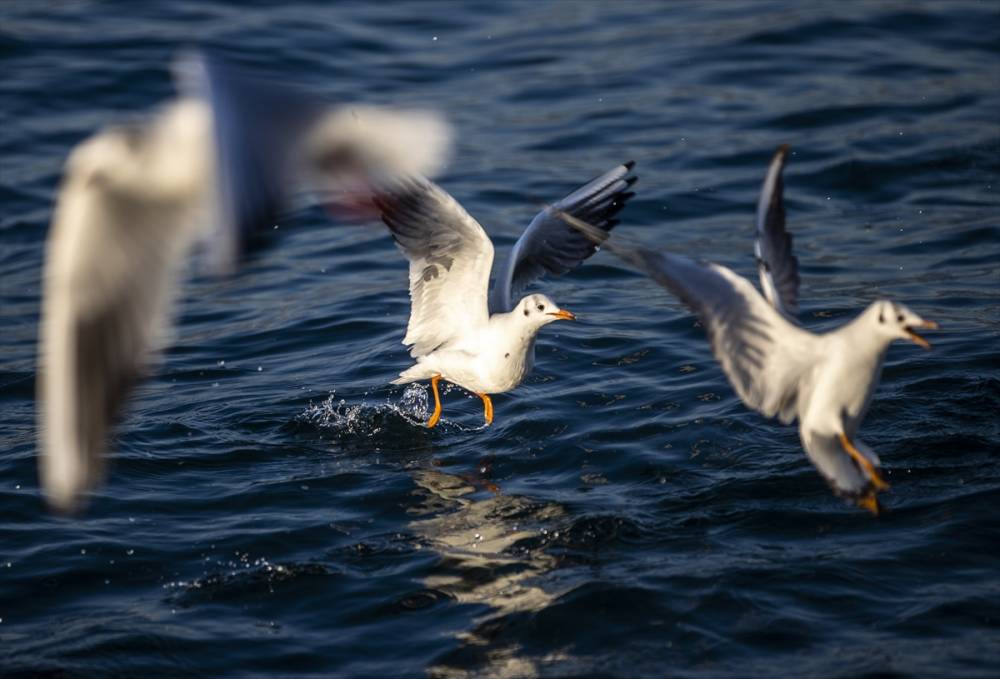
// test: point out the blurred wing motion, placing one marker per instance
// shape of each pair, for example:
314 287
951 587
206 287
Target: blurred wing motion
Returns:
450 258
550 245
214 166
273 141
128 211
778 267
764 356
256 132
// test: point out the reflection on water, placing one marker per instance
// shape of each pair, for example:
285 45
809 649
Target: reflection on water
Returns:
492 555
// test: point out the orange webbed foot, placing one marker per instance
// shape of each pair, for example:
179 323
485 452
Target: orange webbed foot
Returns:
877 480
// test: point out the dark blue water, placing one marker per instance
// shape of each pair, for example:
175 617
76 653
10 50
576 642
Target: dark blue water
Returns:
275 508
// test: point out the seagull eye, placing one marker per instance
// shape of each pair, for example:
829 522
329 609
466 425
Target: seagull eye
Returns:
899 318
541 307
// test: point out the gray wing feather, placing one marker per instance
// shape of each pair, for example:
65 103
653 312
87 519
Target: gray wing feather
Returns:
778 267
551 246
450 258
763 355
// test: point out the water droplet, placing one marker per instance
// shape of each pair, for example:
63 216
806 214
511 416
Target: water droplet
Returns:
434 38
130 552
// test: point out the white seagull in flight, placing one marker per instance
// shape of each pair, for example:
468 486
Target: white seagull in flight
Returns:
454 335
777 367
215 165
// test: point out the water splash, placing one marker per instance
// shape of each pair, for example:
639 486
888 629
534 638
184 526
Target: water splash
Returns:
368 418
365 417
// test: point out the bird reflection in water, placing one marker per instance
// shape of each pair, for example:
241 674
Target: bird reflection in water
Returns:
493 553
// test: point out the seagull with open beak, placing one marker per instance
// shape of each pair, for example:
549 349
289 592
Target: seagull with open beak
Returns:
778 368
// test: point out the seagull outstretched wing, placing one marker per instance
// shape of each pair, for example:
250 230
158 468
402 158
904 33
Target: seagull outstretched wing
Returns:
551 246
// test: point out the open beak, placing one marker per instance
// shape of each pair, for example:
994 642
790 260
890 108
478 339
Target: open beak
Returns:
563 315
917 339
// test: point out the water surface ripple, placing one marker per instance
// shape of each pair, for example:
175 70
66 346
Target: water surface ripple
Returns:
275 507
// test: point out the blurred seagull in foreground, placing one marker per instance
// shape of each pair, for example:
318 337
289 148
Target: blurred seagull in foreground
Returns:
454 335
215 166
776 367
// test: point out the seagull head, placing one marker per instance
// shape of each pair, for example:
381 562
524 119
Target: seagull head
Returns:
350 150
895 321
538 310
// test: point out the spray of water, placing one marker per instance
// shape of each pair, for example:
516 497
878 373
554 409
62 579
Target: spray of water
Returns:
369 417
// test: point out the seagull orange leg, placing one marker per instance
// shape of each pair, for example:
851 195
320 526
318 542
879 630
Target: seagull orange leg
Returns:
437 402
870 502
487 407
874 474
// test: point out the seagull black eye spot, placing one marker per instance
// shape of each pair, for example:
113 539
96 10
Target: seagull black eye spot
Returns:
899 318
507 355
541 307
881 318
526 311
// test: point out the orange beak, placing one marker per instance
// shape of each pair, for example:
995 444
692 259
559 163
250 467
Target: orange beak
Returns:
917 339
563 315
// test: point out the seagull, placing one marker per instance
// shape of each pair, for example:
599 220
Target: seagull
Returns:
825 381
213 166
486 344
